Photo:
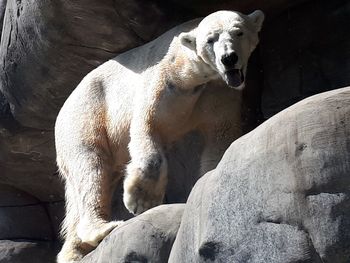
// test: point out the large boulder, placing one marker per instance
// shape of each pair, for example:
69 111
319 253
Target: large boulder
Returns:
145 238
304 52
21 251
23 216
279 194
2 13
26 234
204 7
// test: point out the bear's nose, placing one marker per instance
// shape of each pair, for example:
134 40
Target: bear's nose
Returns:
229 60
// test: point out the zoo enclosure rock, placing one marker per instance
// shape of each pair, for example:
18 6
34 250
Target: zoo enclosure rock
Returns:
145 238
301 58
21 251
26 234
279 194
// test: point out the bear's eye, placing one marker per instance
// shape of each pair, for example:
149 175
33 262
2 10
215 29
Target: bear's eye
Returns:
239 34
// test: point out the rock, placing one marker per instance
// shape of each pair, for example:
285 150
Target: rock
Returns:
26 251
44 56
279 194
28 227
301 57
25 222
55 212
11 197
204 7
27 161
22 216
184 156
2 13
145 238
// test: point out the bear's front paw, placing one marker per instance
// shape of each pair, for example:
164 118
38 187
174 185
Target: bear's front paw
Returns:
142 193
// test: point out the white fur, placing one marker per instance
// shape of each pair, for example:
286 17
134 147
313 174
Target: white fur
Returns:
128 111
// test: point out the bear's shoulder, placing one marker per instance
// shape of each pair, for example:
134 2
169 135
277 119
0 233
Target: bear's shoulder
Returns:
141 58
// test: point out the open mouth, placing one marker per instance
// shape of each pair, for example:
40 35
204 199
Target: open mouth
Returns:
234 77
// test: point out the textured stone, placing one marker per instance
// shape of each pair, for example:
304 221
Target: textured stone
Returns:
145 238
23 216
279 194
305 51
2 13
27 251
27 161
55 211
11 197
27 222
205 7
185 157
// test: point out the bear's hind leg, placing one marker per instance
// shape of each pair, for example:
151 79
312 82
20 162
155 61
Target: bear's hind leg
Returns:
73 249
95 196
89 189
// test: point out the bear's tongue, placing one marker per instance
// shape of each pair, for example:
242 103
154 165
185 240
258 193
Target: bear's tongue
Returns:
234 77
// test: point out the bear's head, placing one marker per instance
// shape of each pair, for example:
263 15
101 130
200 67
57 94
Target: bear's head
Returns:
224 40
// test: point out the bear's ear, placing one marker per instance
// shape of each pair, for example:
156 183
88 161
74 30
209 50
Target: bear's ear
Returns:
188 40
257 17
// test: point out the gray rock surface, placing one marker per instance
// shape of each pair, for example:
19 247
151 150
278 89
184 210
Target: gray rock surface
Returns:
2 13
27 161
279 194
29 221
204 7
301 58
27 251
22 216
145 238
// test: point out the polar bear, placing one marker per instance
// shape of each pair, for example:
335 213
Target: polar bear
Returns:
125 114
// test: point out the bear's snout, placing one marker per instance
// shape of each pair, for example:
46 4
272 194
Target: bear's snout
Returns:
229 60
